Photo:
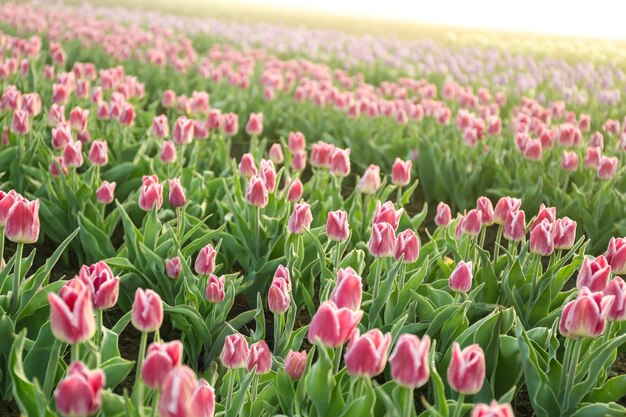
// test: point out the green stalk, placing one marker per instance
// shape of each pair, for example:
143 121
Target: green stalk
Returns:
99 336
142 352
408 406
565 364
399 196
17 275
379 265
75 352
459 406
277 331
231 385
155 404
533 289
337 359
1 245
337 255
571 375
496 250
257 220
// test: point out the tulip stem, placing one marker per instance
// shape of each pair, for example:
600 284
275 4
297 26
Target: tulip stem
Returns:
571 372
337 256
257 215
155 404
75 352
337 359
231 385
459 406
277 331
496 249
142 352
565 365
533 289
17 275
408 406
1 247
99 337
379 265
399 196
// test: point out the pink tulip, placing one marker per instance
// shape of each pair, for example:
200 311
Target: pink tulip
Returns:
382 240
169 99
337 228
247 167
564 233
461 278
72 154
106 193
160 360
407 244
278 298
80 392
20 124
472 222
296 142
103 111
592 160
370 181
298 160
366 355
409 361
295 190
586 315
401 172
56 115
514 228
202 401
177 194
466 372
205 262
260 357
617 289
6 202
173 267
300 219
484 206
235 353
348 291
295 364
177 389
386 213
199 103
127 116
22 221
569 161
57 166
268 174
492 410
594 274
444 215
276 154
321 154
98 153
331 326
597 140
151 194
71 313
541 241
283 273
545 213
168 152
257 194
339 162
78 119
147 311
616 255
182 133
505 205
215 119
607 168
103 284
230 124
215 289
160 127
254 127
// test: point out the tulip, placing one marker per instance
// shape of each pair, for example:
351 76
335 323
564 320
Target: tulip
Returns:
505 205
594 274
370 181
20 124
569 161
199 103
169 99
444 215
205 262
492 410
127 116
103 112
461 278
300 219
607 168
71 313
247 167
215 119
283 273
160 127
337 226
72 154
382 240
56 115
597 140
182 133
466 372
78 119
147 311
151 194
586 315
592 160
616 255
202 402
103 284
407 244
545 213
401 172
177 389
257 194
296 142
472 222
321 154
160 360
386 213
348 291
61 136
276 154
366 355
339 162
564 233
278 298
268 174
230 124
484 206
57 166
6 202
215 289
177 194
260 357
298 160
514 228
168 152
22 220
106 193
98 153
235 353
541 241
331 326
295 190
409 361
295 364
254 127
173 267
617 289
80 392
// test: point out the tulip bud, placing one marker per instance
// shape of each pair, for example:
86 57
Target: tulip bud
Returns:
594 274
6 202
168 152
564 233
72 154
466 372
283 273
505 205
173 267
382 240
56 115
295 364
177 194
514 228
257 194
160 360
202 401
331 326
321 154
230 124
106 193
366 355
586 315
492 410
61 136
592 160
545 213
337 226
103 112
409 361
260 357
98 153
71 313
22 221
147 311
169 99
78 119
254 127
386 213
616 255
461 278
57 166
278 298
215 119
607 168
541 241
597 140
370 181
298 160
20 124
268 174
444 215
151 194
472 222
160 127
295 190
401 172
340 162
80 392
569 161
215 289
617 289
247 167
205 262
276 154
235 353
296 142
300 219
177 389
103 284
127 116
483 204
407 244
348 291
183 131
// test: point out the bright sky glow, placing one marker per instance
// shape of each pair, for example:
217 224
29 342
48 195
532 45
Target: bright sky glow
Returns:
598 18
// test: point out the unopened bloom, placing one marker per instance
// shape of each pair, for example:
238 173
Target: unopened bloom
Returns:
160 360
370 181
267 172
235 352
492 410
366 354
569 161
337 225
257 194
409 361
461 278
298 160
616 255
321 154
300 219
541 241
295 190
173 267
472 222
296 142
483 204
80 392
466 372
103 284
73 155
260 357
607 168
407 244
276 154
254 127
183 130
160 127
382 240
22 221
514 227
177 194
386 213
247 167
71 313
586 315
295 364
564 233
151 194
331 326
205 262
147 311
106 192
348 291
339 162
444 215
168 152
215 289
98 154
278 297
594 274
401 172
617 289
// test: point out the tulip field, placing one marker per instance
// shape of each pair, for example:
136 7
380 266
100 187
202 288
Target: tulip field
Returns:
206 217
